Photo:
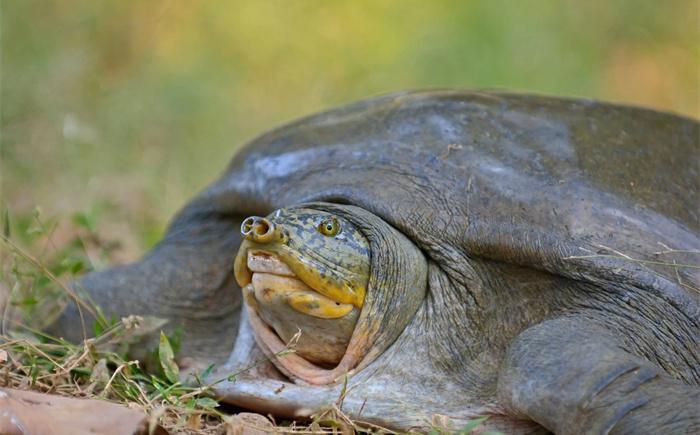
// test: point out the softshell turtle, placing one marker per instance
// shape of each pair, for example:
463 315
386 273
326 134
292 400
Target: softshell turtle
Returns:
531 259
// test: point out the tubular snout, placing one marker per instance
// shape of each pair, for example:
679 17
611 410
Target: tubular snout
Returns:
258 229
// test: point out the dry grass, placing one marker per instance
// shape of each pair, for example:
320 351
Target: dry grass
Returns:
662 259
98 367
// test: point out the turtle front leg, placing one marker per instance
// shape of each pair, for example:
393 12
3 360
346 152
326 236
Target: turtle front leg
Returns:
186 280
573 378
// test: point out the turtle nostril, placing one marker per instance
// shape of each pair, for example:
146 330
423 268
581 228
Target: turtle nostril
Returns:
262 227
258 229
247 227
264 231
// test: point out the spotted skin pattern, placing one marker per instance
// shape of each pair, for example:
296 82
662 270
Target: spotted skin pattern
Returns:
335 266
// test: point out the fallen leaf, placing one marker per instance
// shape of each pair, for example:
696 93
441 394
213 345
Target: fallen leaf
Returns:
26 412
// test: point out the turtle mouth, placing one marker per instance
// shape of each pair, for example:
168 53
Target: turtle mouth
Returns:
268 277
280 306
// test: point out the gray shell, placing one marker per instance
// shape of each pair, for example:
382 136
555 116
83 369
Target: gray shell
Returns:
567 186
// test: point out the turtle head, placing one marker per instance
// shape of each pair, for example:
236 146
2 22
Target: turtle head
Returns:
305 269
323 250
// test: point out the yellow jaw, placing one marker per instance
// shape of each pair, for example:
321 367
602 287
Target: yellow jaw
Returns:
322 281
274 282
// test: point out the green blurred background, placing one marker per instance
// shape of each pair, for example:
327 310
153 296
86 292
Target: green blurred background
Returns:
125 109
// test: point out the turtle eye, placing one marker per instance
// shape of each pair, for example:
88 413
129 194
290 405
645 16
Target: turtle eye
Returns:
329 227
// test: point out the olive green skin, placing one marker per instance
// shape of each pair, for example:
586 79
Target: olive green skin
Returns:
333 262
546 232
336 266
